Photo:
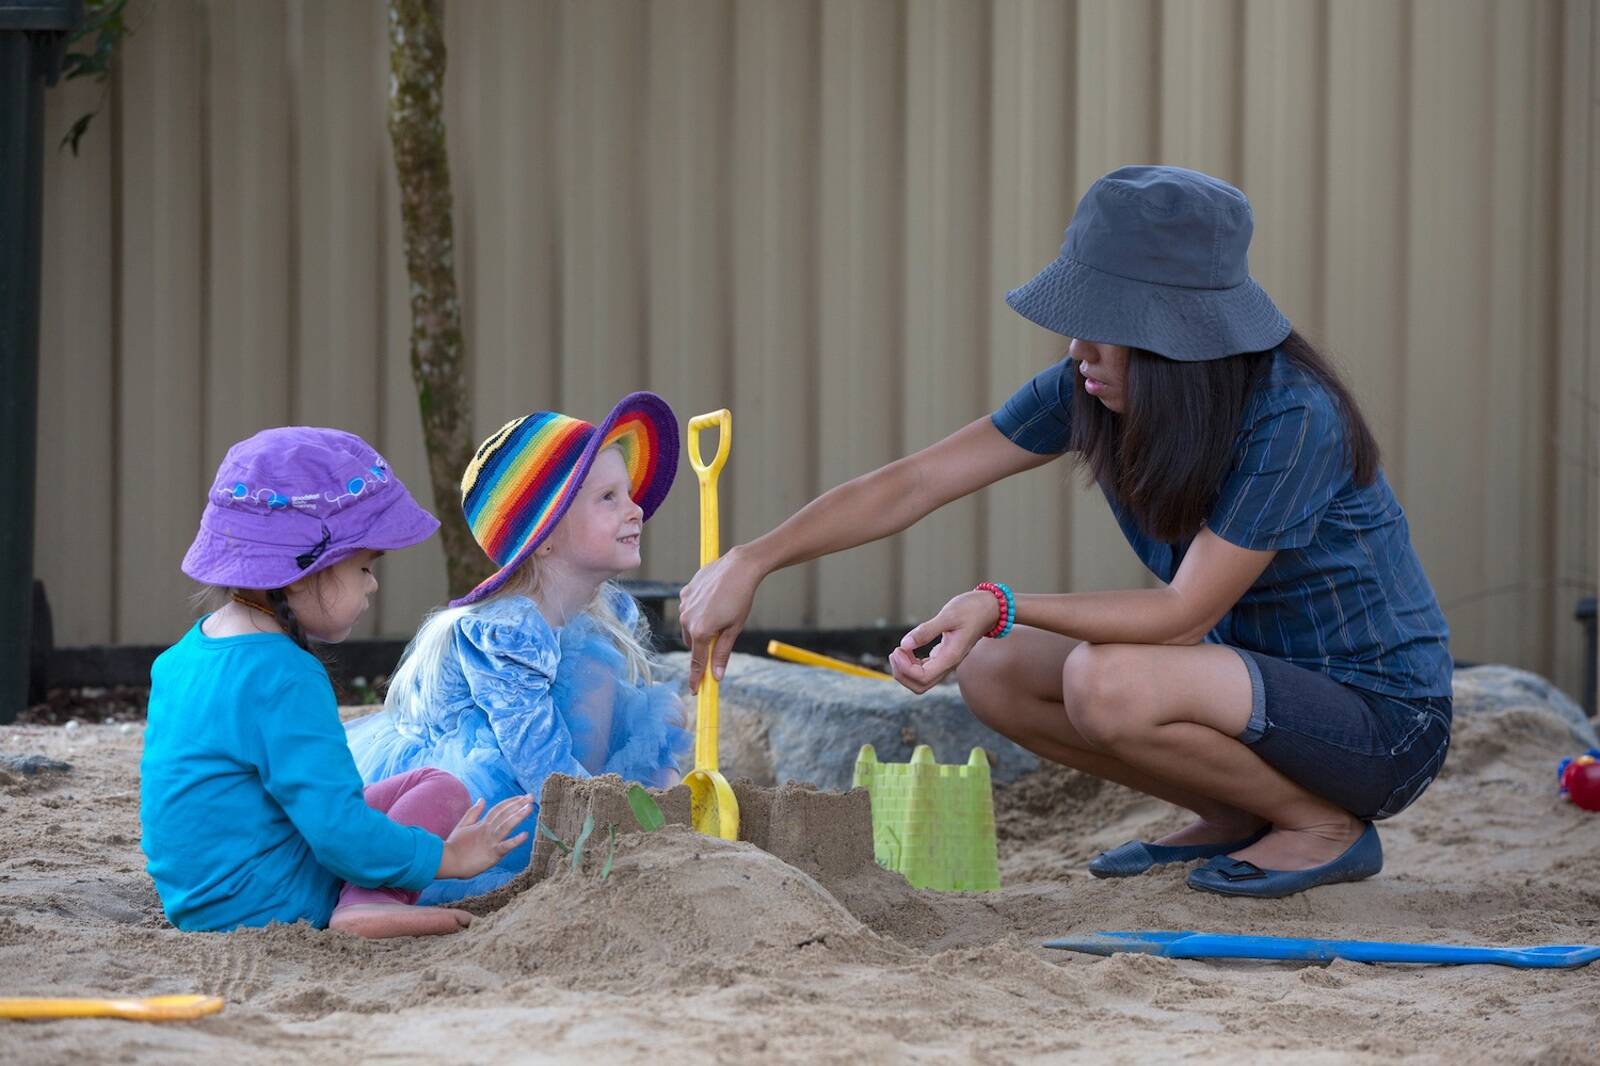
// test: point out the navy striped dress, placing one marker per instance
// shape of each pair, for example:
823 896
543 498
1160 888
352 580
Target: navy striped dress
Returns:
1346 594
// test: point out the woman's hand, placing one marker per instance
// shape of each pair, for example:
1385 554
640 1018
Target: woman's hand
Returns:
473 846
713 606
959 625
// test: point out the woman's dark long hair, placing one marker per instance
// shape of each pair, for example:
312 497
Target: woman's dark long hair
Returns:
1165 457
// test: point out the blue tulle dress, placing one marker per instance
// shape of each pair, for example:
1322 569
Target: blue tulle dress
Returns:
516 701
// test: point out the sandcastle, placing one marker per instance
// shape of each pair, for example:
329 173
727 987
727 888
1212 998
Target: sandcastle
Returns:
824 833
933 823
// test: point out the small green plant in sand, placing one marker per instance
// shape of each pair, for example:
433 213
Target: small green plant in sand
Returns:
645 811
574 851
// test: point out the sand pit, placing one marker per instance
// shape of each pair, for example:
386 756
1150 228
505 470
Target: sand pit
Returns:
791 947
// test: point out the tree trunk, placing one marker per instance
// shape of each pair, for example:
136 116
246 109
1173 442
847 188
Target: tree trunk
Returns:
416 126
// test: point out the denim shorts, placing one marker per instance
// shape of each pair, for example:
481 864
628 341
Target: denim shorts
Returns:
1367 752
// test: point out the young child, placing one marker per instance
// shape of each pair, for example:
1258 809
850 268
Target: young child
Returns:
541 669
252 810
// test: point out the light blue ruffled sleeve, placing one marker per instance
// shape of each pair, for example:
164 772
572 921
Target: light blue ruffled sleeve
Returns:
509 665
625 606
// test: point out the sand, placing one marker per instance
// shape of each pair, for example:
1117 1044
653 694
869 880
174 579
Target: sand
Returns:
694 947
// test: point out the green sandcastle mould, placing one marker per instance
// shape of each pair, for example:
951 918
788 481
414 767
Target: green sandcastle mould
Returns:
933 823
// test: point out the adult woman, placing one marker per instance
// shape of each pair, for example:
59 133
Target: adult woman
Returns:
1290 681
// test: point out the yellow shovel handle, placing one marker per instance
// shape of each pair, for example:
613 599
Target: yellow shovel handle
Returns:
779 650
151 1009
707 474
705 731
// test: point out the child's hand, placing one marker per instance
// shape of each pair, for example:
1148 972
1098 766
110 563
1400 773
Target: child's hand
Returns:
473 846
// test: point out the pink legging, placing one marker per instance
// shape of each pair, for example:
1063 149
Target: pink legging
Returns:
427 798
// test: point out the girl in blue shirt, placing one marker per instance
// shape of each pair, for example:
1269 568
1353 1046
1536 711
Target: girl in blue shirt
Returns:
542 668
251 809
1289 680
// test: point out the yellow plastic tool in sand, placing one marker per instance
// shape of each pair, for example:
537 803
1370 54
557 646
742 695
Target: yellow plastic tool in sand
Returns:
151 1009
788 652
712 806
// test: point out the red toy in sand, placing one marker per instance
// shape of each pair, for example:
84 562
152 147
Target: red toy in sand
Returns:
1580 779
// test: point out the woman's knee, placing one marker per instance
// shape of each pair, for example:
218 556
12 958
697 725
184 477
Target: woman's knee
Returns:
987 684
1097 682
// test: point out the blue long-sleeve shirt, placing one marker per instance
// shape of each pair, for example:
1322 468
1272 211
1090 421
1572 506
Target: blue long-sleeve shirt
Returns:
251 806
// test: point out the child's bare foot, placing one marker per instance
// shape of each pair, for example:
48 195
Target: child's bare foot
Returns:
377 920
1221 829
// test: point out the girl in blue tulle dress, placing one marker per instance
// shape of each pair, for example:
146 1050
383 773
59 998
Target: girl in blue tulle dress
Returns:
543 667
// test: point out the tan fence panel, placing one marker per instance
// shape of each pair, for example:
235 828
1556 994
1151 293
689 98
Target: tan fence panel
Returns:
688 333
776 113
1572 440
75 550
1025 519
162 467
1517 577
809 212
1118 121
1365 239
861 241
947 291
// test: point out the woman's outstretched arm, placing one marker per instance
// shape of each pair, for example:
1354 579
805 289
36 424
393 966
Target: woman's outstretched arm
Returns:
1213 576
714 605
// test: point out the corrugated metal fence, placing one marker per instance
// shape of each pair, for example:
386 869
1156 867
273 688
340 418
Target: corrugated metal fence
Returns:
808 211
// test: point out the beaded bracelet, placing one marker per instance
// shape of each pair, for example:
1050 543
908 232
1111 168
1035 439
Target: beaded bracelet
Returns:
1008 607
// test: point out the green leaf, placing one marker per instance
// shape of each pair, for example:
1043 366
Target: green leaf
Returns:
566 849
583 838
888 856
645 809
75 134
611 851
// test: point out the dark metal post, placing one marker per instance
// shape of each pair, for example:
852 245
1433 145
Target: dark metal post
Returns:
33 35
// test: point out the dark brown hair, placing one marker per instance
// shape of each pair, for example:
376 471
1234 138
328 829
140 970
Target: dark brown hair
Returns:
278 600
1165 457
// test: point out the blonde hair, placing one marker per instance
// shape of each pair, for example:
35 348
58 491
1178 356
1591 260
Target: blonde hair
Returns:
414 686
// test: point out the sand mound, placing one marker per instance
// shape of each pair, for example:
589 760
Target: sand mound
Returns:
823 838
1498 743
672 897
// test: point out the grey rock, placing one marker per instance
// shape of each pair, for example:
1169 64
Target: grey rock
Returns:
783 722
33 764
1494 688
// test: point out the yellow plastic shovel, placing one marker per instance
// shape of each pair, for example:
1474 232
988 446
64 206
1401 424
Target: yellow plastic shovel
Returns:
152 1009
712 807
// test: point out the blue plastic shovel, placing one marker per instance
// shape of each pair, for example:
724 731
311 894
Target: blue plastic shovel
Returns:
1184 944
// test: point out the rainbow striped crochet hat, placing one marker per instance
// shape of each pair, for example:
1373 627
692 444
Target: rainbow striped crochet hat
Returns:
523 478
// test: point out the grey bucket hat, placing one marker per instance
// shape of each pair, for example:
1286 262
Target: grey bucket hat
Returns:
1155 258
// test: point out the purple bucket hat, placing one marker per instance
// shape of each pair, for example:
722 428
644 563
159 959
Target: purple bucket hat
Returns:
289 502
